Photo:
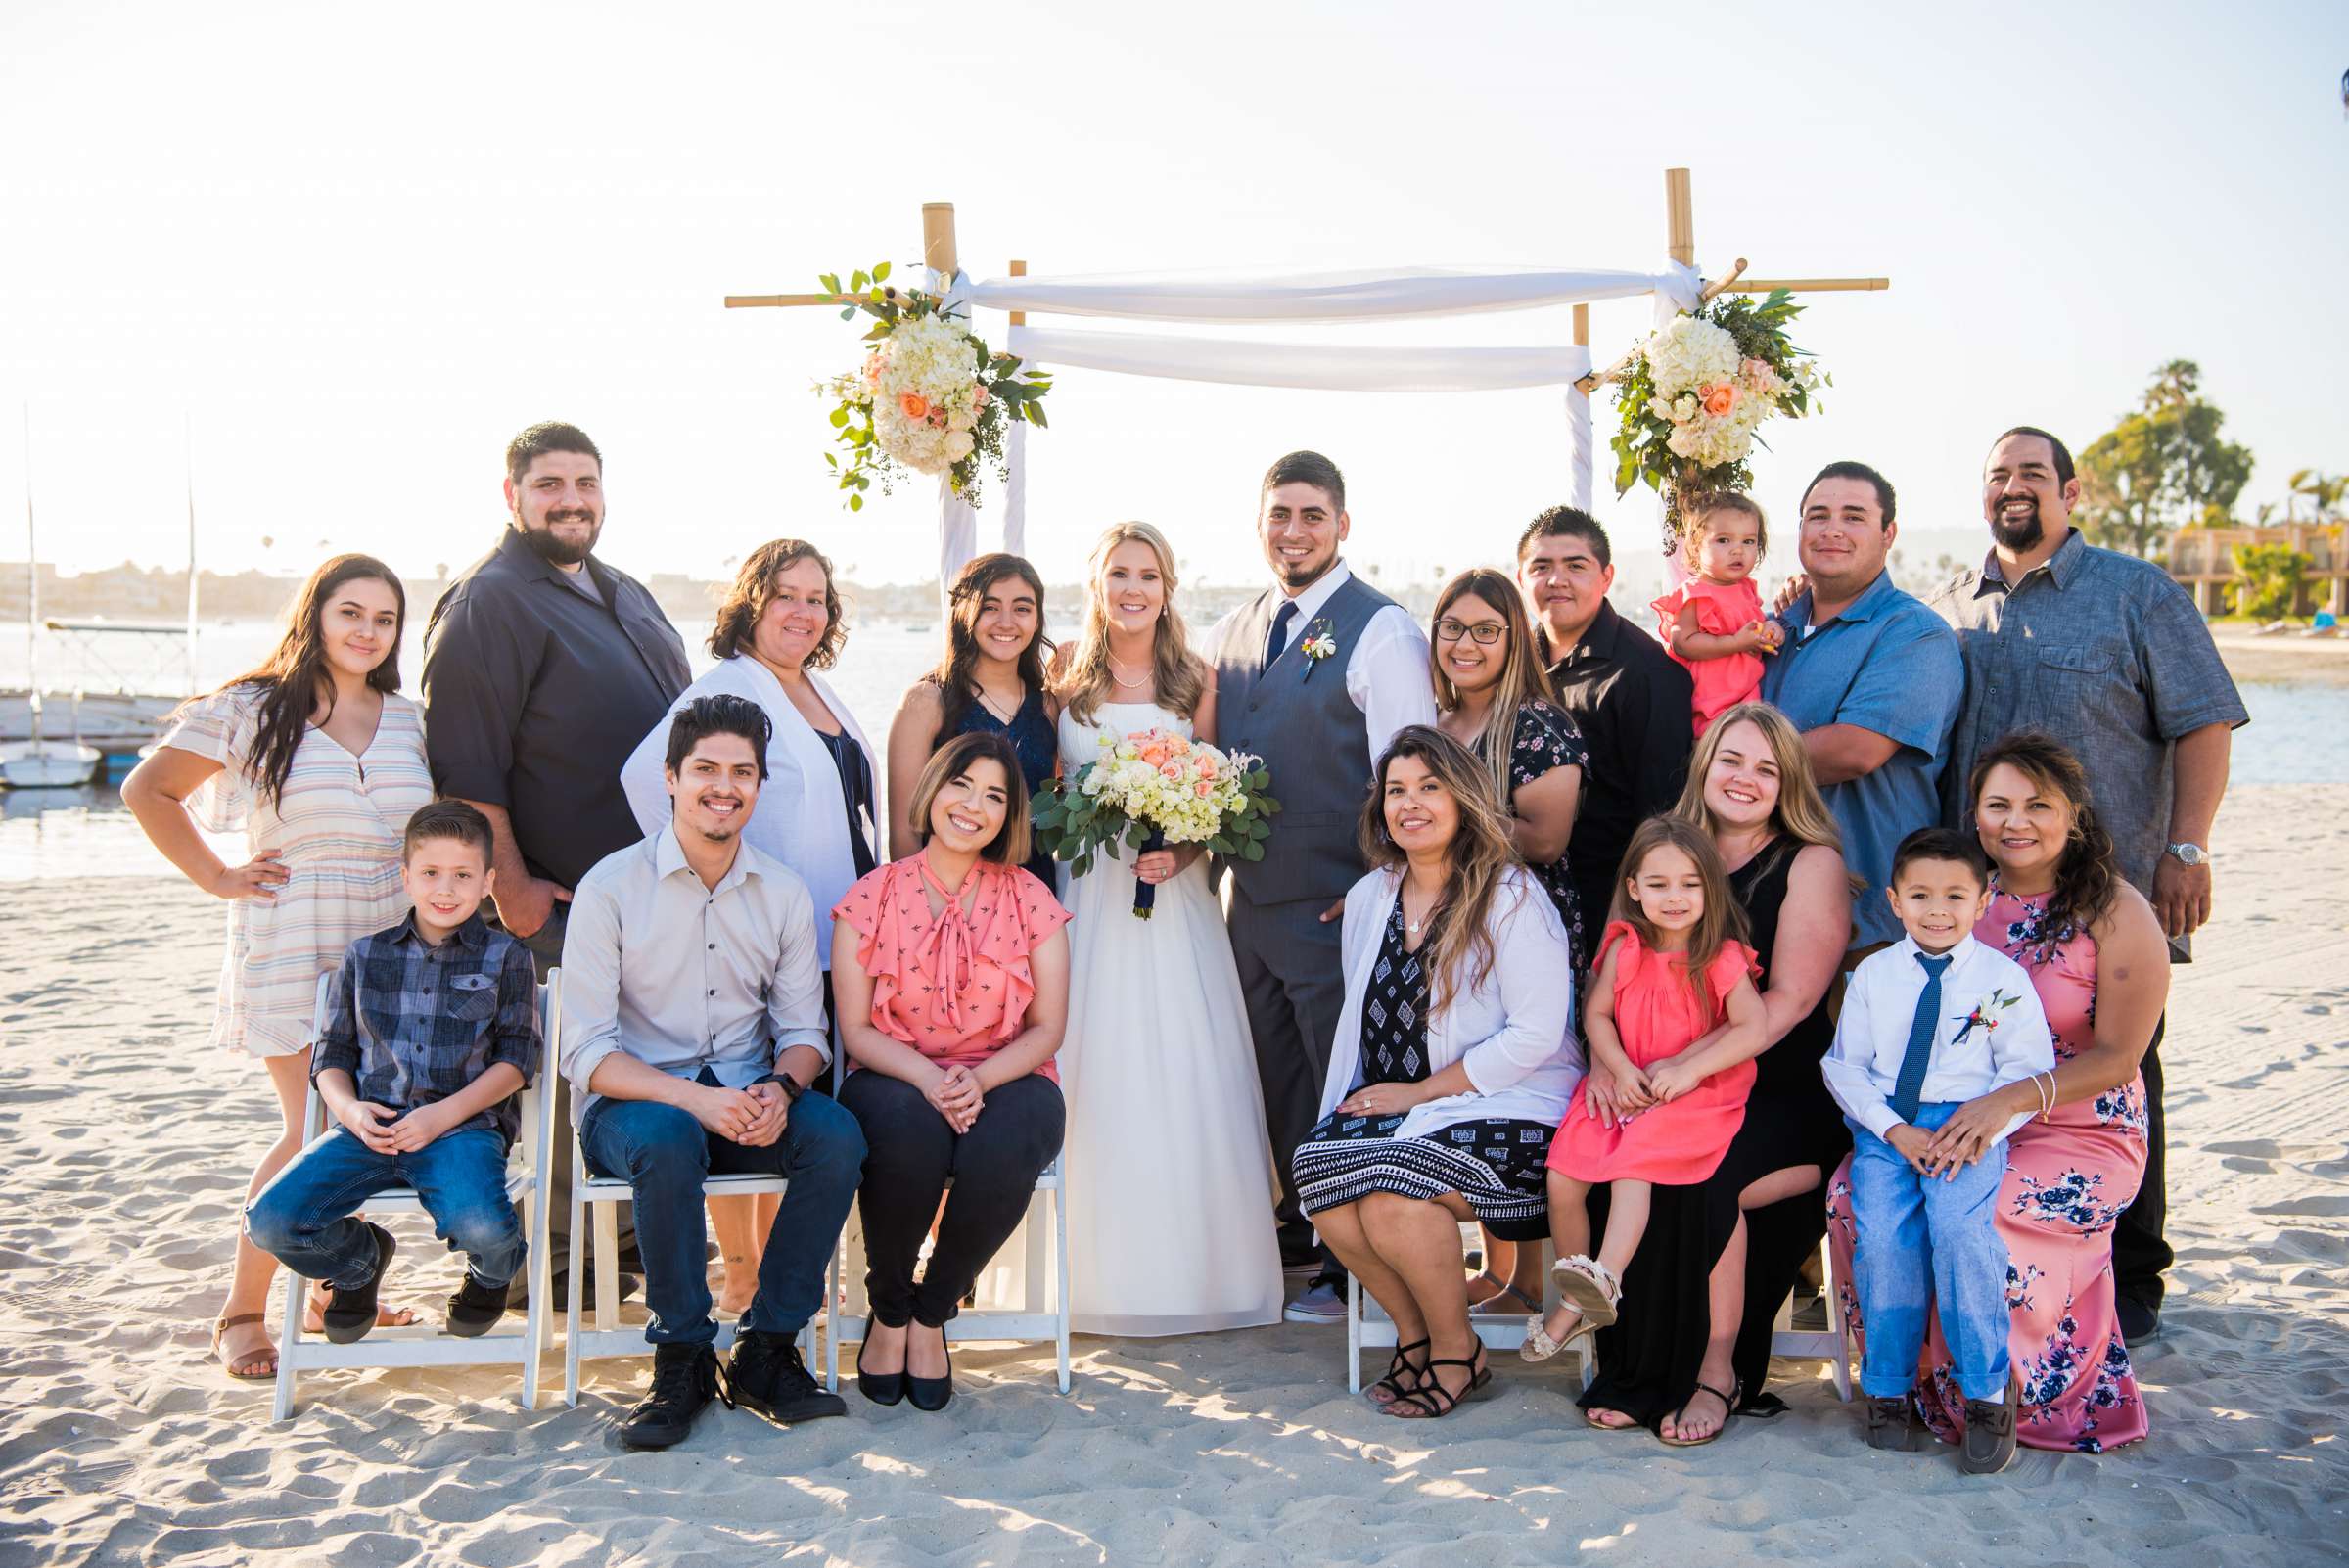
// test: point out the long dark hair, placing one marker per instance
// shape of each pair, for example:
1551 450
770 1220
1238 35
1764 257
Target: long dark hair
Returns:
1459 938
295 678
2086 879
954 672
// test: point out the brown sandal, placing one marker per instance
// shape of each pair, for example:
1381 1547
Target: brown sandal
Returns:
268 1352
1728 1414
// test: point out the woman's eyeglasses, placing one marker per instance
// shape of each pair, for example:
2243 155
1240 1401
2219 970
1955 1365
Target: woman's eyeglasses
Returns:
1485 632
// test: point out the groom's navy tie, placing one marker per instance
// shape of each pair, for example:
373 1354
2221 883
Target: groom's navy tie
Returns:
1911 1085
1275 643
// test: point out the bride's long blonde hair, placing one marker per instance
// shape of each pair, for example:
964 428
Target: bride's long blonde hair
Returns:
1084 681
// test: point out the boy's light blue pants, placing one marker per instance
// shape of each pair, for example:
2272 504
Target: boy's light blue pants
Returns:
1925 1242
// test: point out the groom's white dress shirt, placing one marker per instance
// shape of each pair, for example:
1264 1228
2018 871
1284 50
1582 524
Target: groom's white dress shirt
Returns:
1386 673
1863 1068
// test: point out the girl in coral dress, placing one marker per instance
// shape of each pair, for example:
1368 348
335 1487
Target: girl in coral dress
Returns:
1713 623
1668 974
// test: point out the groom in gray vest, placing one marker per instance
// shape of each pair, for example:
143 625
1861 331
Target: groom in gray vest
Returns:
1315 676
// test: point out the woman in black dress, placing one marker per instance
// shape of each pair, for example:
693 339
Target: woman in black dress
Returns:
1720 1256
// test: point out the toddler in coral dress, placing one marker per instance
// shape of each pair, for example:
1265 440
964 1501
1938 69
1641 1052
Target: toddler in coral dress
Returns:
1713 623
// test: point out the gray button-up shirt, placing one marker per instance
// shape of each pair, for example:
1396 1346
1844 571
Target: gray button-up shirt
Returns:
2108 655
683 977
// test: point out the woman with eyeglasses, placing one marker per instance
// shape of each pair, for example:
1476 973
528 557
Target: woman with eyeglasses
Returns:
1493 696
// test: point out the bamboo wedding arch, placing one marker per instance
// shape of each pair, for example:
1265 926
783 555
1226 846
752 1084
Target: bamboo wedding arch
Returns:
1378 294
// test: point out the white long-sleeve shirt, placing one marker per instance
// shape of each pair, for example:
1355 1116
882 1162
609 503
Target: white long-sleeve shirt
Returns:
2008 1042
1387 670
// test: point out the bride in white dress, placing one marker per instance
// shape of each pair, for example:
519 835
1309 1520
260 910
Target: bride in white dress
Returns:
1170 1169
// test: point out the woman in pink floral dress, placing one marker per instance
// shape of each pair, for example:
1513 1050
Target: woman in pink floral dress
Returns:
2097 958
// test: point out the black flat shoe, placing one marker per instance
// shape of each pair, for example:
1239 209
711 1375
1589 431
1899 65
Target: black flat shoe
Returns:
882 1388
932 1393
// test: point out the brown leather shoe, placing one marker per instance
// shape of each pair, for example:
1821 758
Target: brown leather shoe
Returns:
1892 1423
1989 1434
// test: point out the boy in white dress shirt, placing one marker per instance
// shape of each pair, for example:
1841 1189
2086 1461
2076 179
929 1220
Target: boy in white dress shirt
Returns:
1929 1023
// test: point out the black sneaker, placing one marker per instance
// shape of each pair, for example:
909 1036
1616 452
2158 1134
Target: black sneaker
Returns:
684 1380
767 1375
475 1307
2140 1320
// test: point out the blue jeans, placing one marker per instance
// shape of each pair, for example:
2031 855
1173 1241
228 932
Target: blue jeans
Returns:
664 1154
303 1218
1924 1243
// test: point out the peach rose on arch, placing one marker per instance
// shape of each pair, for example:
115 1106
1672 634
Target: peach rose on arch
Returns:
1719 398
913 406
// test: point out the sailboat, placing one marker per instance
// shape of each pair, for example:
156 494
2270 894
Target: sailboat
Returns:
38 764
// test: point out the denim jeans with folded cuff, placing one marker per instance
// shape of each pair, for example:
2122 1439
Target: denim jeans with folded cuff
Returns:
305 1217
663 1155
1925 1245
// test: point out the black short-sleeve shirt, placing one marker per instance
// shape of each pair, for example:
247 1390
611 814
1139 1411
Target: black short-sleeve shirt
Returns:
536 693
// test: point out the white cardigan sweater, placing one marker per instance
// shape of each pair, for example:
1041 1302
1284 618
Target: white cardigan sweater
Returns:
800 818
1514 1031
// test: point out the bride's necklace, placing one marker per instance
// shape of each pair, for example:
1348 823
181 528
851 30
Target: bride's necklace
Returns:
1119 675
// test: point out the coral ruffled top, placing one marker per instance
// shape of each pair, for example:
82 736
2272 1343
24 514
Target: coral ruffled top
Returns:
1723 610
955 985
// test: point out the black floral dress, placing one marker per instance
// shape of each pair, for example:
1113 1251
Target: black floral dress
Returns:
1549 739
1499 1164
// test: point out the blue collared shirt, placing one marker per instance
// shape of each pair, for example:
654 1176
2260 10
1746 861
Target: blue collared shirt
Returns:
684 977
413 1023
1886 664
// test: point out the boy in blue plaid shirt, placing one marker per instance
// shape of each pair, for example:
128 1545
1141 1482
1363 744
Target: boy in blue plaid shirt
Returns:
431 1026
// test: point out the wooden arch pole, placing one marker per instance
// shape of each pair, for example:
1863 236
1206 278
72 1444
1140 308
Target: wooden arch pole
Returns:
1680 217
938 238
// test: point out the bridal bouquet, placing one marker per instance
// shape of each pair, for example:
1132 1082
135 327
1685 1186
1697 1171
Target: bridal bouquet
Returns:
1151 789
1696 392
929 396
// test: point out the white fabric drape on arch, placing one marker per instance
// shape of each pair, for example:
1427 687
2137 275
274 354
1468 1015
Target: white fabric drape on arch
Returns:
1367 294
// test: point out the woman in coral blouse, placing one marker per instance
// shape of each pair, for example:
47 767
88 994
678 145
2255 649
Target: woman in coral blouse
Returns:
950 981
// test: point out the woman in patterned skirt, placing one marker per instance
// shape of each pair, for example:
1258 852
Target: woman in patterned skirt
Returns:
1493 694
2097 958
321 765
1455 1057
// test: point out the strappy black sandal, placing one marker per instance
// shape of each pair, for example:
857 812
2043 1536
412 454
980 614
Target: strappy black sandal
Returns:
1728 1414
1388 1389
1431 1398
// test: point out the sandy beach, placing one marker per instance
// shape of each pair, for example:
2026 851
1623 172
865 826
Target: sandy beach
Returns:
128 1143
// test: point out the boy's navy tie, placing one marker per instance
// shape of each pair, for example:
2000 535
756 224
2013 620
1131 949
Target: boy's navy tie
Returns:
1910 1085
1277 640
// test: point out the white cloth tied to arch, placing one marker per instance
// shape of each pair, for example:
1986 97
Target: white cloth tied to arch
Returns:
1324 297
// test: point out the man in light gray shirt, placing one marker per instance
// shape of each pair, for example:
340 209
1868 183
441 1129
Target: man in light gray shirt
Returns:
693 1030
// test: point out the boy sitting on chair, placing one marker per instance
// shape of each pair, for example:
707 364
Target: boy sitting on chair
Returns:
431 1028
1929 1024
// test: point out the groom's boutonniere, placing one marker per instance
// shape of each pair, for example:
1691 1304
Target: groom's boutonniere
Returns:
1318 644
1984 1015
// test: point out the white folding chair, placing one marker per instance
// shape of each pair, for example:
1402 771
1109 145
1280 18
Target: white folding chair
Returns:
1832 1344
423 1345
1031 1321
609 1337
1368 1327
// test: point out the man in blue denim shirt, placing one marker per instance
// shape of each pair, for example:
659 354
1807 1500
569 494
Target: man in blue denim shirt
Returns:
1872 679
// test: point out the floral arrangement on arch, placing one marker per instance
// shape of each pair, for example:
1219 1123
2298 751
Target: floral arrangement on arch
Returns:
929 396
1151 789
1694 394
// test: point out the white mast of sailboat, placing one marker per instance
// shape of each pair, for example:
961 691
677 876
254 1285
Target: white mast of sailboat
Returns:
33 600
188 444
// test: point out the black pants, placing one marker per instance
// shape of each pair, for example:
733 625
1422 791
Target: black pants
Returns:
911 1153
2140 1253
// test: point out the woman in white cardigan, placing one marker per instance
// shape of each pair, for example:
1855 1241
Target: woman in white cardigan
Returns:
779 625
1451 1066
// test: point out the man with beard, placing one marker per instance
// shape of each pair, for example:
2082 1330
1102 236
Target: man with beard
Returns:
693 1030
2107 653
542 669
1319 735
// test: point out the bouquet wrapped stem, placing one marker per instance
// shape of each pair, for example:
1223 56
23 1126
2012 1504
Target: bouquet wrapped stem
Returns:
1151 790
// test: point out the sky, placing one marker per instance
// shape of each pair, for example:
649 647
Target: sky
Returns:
348 251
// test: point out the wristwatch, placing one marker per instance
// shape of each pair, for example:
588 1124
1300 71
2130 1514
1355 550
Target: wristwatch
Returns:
792 1088
2188 854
